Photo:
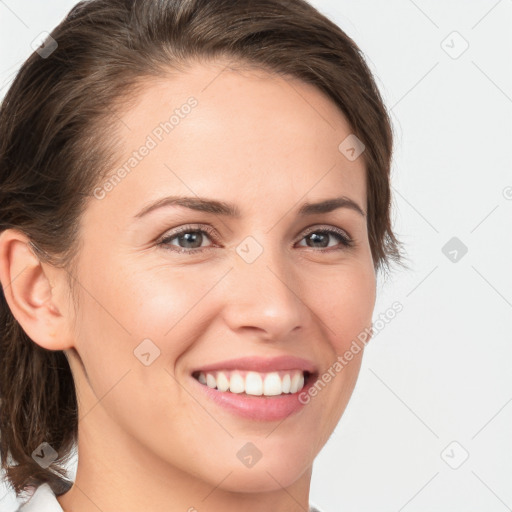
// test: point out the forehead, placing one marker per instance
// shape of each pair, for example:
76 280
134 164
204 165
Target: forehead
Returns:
221 132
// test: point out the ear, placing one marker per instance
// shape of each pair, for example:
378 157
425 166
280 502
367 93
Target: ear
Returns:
31 290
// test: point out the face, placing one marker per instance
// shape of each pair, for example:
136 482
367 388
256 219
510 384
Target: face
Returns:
169 291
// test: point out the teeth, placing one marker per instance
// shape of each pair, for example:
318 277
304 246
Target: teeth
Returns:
286 383
210 381
222 382
297 383
254 383
272 384
236 383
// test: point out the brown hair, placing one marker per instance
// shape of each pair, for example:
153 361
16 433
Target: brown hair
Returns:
53 122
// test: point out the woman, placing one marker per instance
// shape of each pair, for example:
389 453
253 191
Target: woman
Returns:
194 204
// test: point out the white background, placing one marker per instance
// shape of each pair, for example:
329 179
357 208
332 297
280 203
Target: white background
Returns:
441 370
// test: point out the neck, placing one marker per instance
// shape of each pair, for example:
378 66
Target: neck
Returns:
115 473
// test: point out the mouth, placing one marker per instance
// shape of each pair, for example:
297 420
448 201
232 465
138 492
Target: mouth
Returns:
257 388
254 383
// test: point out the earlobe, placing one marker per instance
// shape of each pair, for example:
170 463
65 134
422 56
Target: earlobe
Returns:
30 294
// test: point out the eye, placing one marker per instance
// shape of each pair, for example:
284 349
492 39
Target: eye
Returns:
319 237
189 239
190 236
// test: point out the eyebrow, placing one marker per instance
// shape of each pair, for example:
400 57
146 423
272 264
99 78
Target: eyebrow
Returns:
231 210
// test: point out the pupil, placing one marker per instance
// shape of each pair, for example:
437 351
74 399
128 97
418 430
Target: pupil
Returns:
319 237
191 238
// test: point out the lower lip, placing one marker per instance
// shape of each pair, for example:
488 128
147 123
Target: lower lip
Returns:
259 408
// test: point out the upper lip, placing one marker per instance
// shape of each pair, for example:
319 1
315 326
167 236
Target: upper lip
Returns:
261 364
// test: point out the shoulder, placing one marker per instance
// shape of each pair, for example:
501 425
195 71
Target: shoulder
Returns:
43 499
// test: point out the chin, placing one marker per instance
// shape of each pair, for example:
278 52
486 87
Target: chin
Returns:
262 480
268 474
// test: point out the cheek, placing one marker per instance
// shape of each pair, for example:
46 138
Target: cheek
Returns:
124 317
134 302
126 307
346 304
343 302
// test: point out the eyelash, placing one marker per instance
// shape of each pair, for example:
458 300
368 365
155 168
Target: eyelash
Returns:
345 240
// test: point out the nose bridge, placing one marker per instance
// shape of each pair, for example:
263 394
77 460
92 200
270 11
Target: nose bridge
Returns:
263 292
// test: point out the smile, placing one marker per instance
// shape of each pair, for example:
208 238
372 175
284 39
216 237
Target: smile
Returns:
254 383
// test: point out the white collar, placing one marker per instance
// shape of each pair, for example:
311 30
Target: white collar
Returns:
42 500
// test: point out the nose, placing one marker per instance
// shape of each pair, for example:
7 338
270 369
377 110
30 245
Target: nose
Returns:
264 296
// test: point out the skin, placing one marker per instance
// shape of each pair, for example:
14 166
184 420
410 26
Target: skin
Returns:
147 439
